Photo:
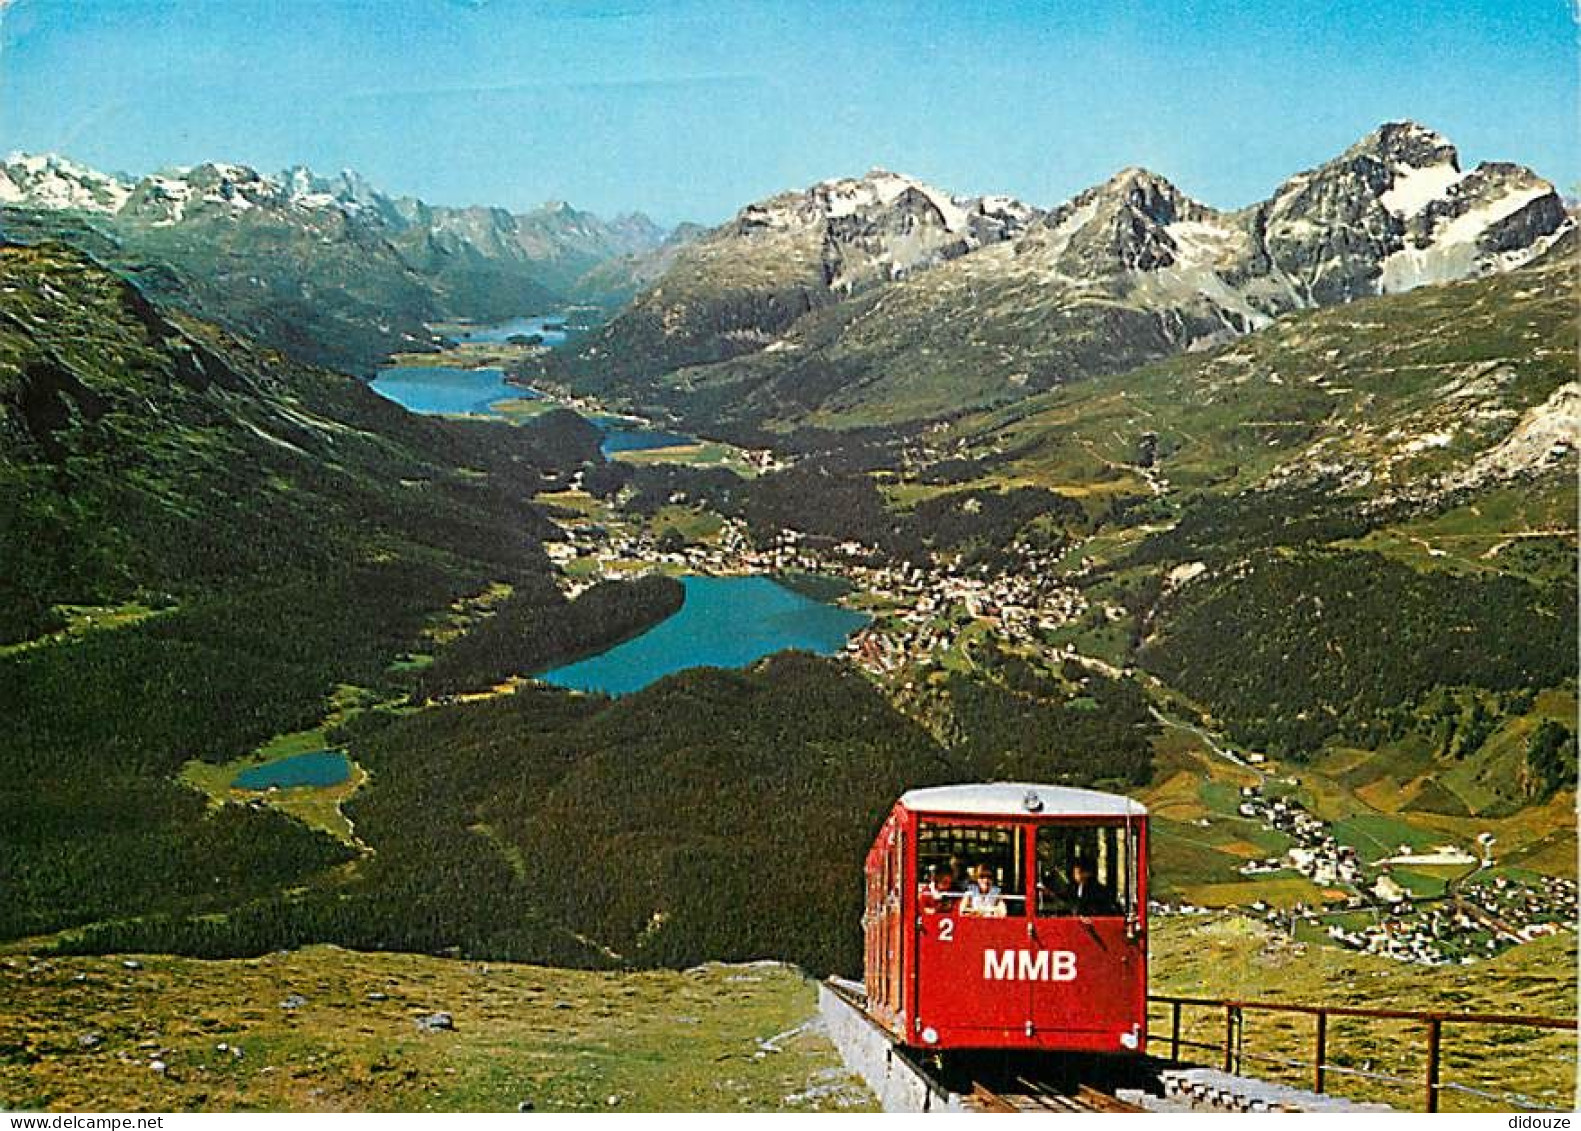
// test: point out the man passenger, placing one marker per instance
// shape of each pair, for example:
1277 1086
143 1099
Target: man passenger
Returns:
1088 895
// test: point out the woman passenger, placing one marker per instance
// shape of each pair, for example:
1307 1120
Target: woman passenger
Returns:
982 896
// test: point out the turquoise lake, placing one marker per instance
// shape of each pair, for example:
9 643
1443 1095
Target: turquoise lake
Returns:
725 622
320 767
445 390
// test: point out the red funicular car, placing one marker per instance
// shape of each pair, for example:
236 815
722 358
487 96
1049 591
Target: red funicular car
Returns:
1009 915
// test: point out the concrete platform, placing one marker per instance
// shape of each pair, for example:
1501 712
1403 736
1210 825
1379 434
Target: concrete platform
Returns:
898 1083
1208 1089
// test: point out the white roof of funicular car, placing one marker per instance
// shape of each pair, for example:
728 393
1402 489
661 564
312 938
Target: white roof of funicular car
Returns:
1021 799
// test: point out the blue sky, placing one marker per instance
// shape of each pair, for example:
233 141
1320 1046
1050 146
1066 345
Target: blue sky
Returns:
688 109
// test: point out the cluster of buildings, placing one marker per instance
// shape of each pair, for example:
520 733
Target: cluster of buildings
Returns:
1434 937
927 607
1315 853
1382 916
1518 911
1482 919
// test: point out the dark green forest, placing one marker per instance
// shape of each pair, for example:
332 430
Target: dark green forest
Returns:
1289 649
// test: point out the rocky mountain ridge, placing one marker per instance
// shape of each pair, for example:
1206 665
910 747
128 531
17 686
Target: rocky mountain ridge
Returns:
556 229
881 300
328 268
733 289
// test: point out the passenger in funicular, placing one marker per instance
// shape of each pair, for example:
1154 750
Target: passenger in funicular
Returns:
983 898
1083 895
938 894
1088 894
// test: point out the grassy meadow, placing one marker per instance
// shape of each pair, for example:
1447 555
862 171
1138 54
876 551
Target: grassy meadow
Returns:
323 1029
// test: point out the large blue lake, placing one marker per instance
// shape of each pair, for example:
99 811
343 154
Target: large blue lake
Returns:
725 622
445 390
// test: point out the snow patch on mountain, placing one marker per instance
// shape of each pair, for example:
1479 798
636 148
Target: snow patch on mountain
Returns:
48 180
881 188
172 194
1455 251
1414 189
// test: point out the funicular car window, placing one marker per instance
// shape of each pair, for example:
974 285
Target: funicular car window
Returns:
1084 870
971 870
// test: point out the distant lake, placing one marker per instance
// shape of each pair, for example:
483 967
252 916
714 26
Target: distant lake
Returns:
623 435
320 767
725 622
446 390
535 326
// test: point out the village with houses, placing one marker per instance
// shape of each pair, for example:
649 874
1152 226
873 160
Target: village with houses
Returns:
1477 915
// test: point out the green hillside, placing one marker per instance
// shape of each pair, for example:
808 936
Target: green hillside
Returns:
1402 388
205 546
325 291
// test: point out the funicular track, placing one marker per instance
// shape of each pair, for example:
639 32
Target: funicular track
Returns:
1011 1083
1028 1095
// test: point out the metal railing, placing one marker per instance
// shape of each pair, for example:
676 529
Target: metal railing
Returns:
1235 1056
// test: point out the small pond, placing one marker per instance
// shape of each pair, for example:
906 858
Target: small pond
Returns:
318 767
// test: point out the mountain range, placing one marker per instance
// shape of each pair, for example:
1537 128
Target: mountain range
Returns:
329 269
883 300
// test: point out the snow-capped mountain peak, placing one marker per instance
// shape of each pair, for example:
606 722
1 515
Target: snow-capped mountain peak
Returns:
879 226
48 180
1395 211
881 188
1495 217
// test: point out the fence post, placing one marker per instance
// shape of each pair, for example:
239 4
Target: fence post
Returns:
1321 1054
1174 1034
1435 1028
1229 1037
